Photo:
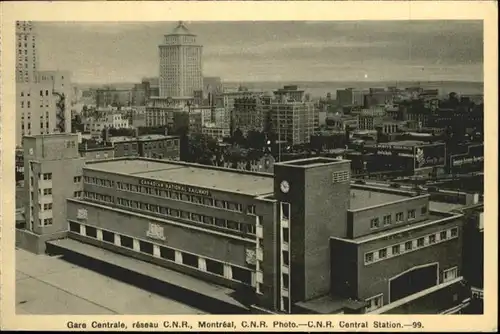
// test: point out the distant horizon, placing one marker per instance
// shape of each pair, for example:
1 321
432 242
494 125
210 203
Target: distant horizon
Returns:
291 82
272 51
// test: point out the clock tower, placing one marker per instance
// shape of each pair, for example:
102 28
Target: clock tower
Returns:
313 199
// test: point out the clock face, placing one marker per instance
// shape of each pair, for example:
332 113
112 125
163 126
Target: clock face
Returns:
284 186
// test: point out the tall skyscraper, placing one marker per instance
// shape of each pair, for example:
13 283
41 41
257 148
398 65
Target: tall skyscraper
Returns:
180 64
26 55
42 97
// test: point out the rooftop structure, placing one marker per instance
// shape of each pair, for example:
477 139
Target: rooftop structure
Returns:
216 178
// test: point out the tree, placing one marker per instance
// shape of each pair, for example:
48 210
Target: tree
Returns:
256 139
238 137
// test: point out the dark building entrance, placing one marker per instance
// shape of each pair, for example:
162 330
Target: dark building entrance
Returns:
413 281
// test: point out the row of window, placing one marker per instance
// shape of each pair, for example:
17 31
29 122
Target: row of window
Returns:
174 213
410 245
212 266
208 201
45 222
387 219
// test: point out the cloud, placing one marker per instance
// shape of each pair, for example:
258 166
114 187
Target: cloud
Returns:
105 50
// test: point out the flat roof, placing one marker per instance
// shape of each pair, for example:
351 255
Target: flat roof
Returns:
152 270
433 216
51 285
444 207
190 174
329 304
405 143
365 198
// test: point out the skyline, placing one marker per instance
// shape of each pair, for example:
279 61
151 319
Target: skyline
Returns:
103 52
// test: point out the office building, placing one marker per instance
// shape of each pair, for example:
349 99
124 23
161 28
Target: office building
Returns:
250 114
180 64
290 92
216 132
411 156
96 151
43 98
52 173
345 97
26 54
114 120
149 146
114 97
35 110
293 122
269 240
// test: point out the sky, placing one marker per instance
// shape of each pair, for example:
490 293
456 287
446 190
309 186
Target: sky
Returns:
253 51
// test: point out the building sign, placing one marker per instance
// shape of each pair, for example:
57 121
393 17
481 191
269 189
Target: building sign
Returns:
81 214
251 257
391 150
156 231
175 187
473 160
430 155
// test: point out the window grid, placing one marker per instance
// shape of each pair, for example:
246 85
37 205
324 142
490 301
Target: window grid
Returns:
174 195
189 216
162 249
410 246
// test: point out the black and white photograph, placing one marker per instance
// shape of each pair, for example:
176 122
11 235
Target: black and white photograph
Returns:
251 167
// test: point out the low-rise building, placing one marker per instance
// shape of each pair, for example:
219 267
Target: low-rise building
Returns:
266 242
149 146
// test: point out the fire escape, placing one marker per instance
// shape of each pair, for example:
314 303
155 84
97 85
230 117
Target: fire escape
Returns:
60 112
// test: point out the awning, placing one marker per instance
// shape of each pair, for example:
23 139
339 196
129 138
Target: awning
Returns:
162 274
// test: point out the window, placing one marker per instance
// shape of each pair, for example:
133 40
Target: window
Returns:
47 206
450 274
285 211
108 236
408 246
399 217
423 210
374 303
242 275
432 238
382 254
127 242
387 220
285 233
77 179
411 214
395 249
47 176
286 280
146 247
91 231
74 227
368 257
251 209
420 242
167 253
220 222
47 191
443 235
190 260
374 223
454 232
215 267
286 259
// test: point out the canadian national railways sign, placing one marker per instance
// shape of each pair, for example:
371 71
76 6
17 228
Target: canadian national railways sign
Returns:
175 187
